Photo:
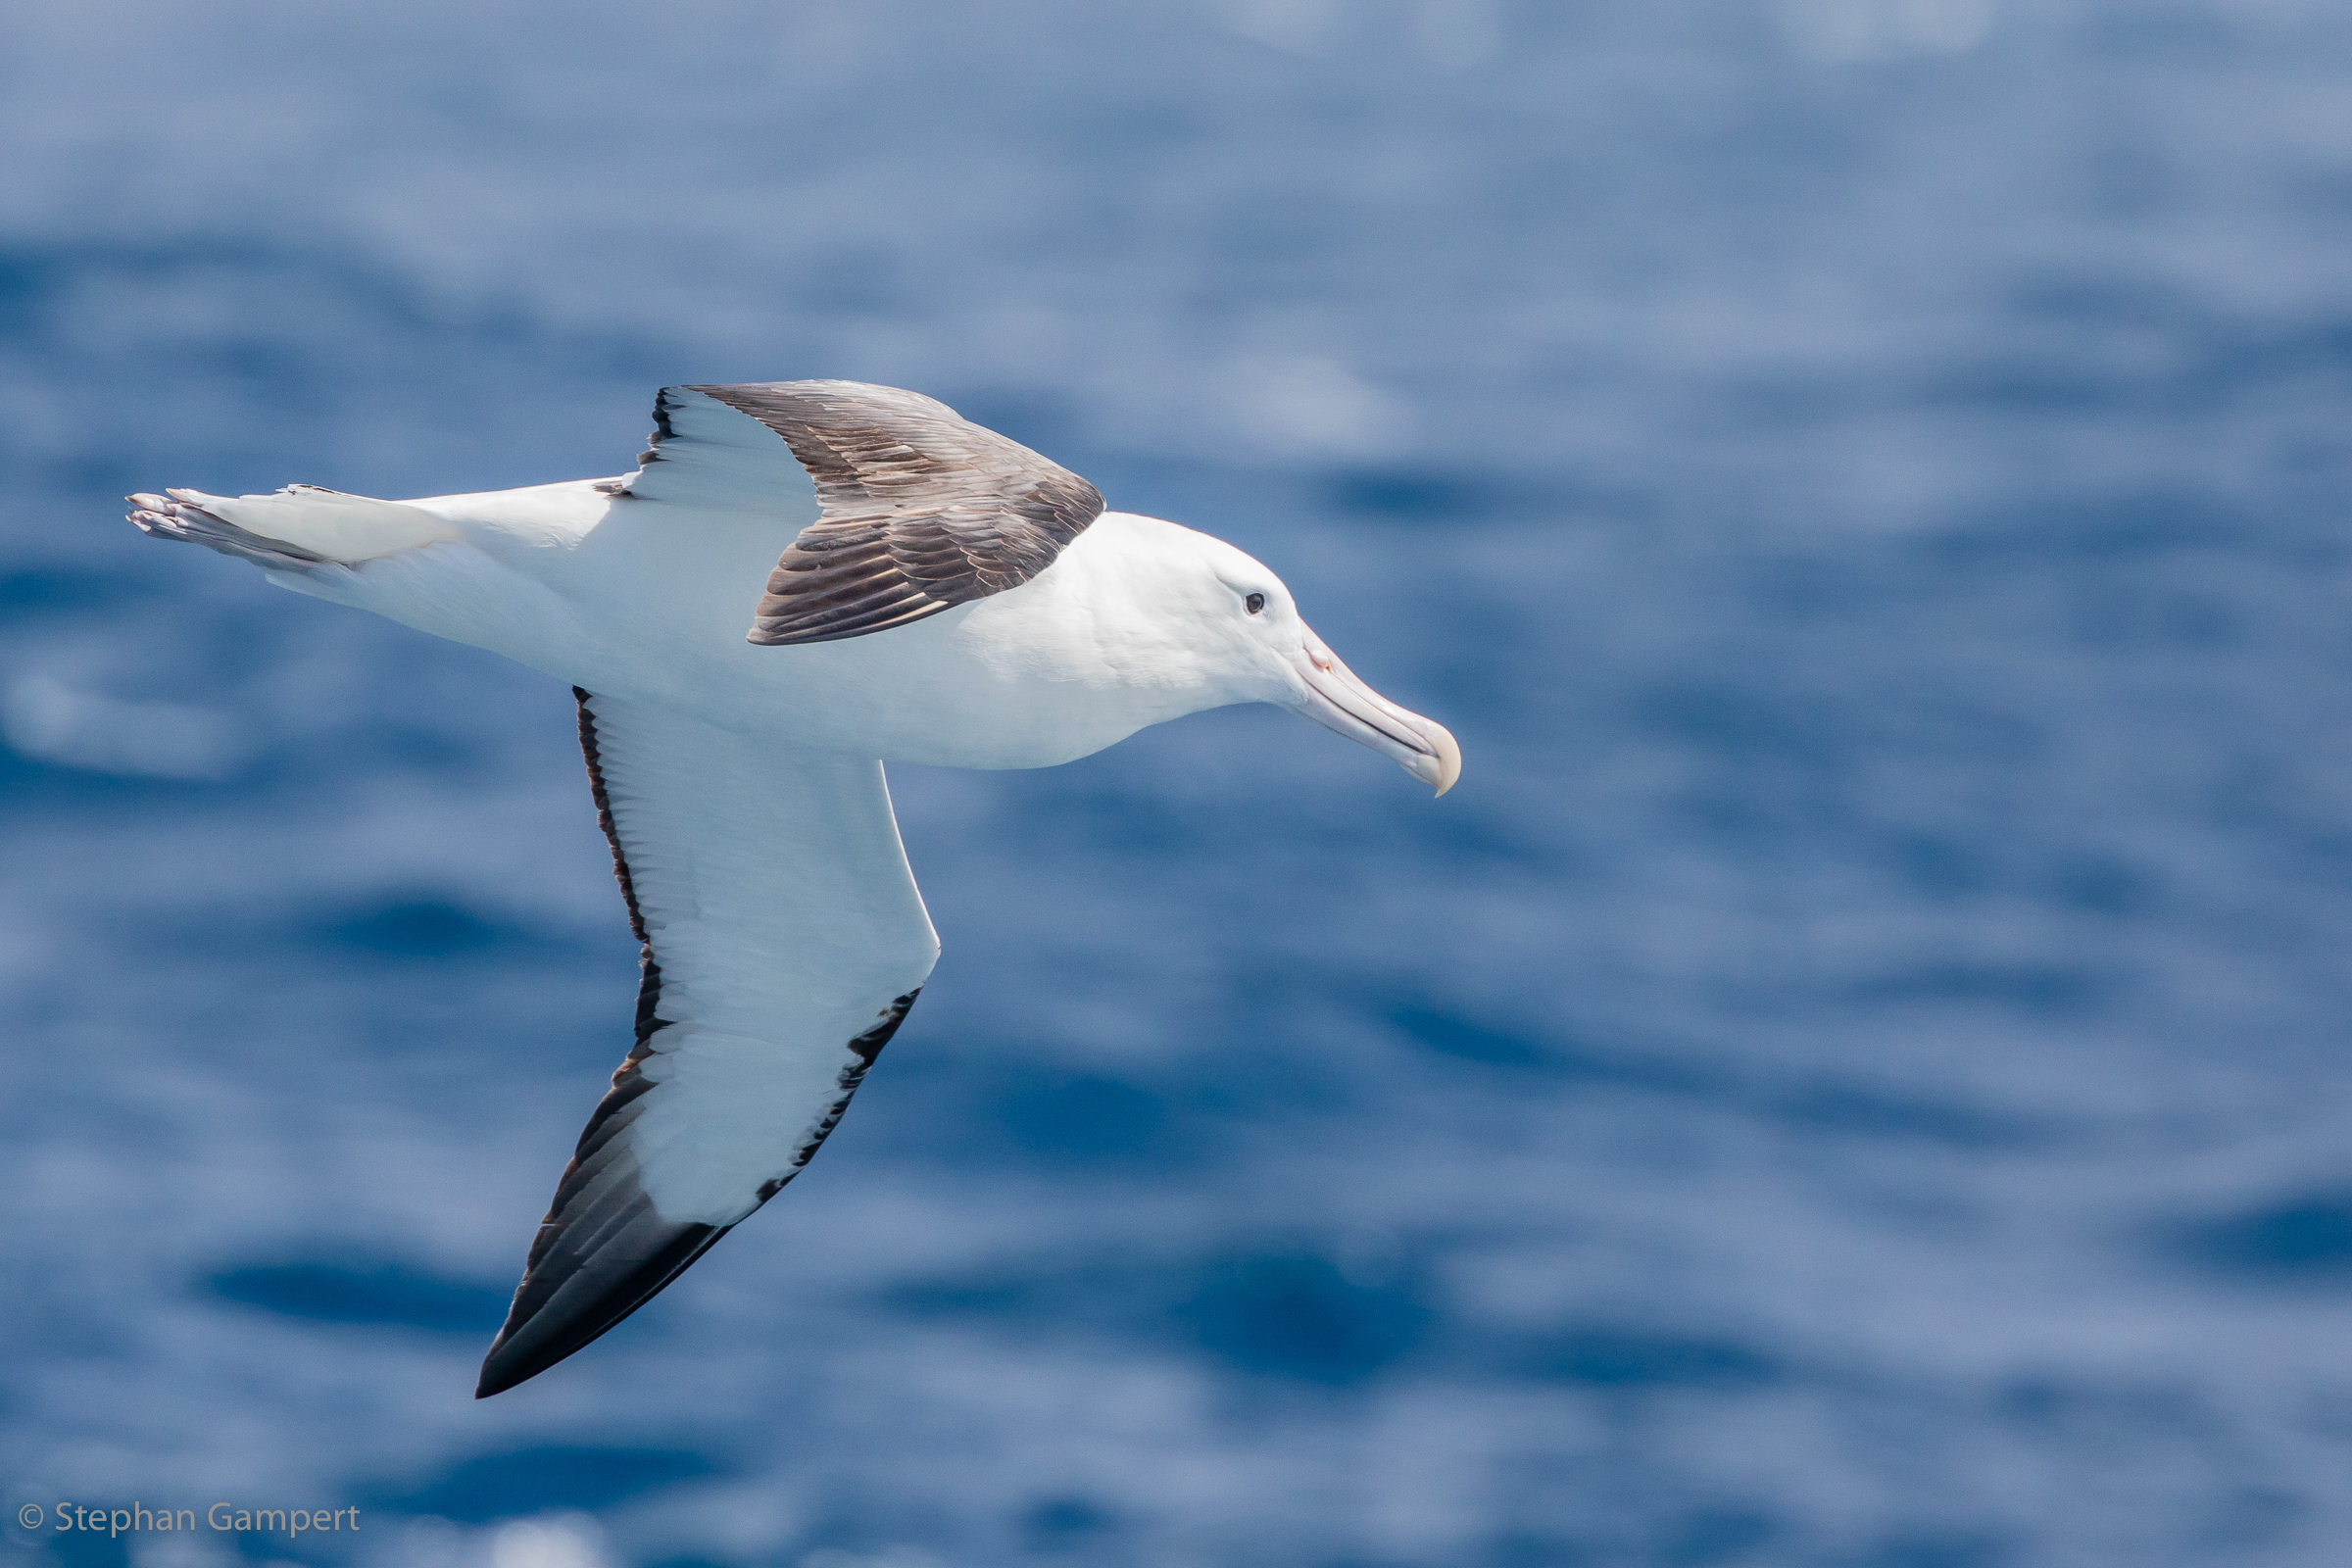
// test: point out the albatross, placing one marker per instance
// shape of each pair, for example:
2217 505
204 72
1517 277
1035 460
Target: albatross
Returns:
915 588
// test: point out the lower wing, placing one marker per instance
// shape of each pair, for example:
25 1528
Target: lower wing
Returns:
784 940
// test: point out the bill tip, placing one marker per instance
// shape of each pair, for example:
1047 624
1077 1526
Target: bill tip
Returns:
1450 757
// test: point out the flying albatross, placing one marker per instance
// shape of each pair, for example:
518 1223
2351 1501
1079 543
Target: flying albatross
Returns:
917 588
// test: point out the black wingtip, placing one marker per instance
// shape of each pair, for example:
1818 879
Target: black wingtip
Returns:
552 1318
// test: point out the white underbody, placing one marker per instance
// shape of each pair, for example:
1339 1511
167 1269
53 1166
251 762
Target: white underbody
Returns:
649 600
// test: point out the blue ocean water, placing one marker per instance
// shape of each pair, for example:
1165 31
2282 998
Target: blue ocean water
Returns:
1855 1077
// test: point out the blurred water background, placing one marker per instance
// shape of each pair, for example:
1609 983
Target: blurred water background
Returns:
1855 1077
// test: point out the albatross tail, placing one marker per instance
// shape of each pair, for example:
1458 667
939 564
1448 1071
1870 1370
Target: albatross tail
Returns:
300 528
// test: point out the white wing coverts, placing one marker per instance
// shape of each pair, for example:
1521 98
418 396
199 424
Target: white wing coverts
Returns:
784 940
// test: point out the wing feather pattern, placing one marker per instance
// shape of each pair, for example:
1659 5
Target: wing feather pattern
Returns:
923 510
784 940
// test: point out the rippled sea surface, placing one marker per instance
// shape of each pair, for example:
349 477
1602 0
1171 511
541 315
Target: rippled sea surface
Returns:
1855 1076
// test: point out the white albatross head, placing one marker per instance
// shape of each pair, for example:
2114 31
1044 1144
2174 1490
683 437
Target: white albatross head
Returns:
1209 625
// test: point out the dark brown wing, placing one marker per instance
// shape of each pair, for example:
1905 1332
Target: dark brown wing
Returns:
923 509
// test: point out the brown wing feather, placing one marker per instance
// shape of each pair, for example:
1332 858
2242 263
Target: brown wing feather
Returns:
923 509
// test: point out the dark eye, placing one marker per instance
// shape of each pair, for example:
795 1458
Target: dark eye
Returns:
1254 602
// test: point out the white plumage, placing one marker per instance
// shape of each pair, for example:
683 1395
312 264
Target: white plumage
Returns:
936 595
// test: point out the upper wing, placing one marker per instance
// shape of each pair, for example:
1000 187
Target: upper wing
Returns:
784 940
923 509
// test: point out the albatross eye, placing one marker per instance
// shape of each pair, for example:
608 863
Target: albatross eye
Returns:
1254 602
